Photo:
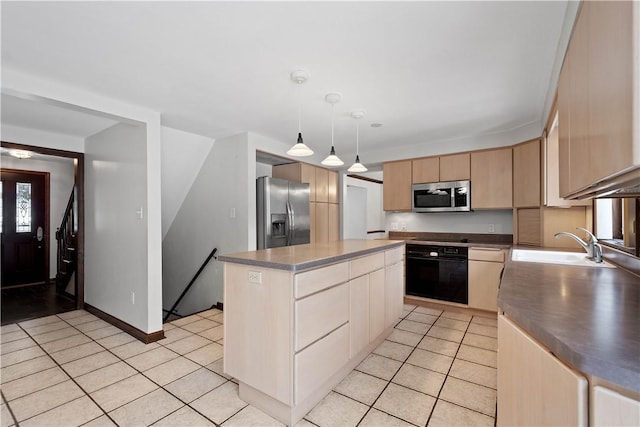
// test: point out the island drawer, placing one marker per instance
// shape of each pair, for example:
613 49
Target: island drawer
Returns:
316 280
316 364
393 256
366 264
319 314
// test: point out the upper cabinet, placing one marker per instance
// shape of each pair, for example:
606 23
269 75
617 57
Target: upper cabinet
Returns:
324 207
596 90
491 179
426 169
455 167
396 187
526 174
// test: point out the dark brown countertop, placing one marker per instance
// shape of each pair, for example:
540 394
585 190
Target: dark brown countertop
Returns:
588 317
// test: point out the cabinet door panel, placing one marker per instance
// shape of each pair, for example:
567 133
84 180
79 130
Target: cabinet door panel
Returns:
526 174
333 187
334 222
321 222
613 409
322 185
308 175
491 179
358 314
376 304
396 186
425 170
484 280
534 387
455 167
366 264
393 293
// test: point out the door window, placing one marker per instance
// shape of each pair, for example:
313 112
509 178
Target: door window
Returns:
23 207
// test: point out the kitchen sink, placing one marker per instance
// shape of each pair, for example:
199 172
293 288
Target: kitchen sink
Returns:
556 257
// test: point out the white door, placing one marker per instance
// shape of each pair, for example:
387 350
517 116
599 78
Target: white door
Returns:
355 213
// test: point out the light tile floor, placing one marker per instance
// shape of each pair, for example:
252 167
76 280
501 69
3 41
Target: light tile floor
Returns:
436 368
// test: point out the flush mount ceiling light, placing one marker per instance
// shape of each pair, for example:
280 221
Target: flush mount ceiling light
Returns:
357 166
21 154
332 160
299 149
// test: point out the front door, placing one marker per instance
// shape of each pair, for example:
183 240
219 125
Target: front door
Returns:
24 228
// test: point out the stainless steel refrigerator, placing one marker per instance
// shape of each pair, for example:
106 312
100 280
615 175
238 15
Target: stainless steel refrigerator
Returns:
283 213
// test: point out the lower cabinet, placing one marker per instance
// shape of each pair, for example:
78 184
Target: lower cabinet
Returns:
485 267
534 387
610 408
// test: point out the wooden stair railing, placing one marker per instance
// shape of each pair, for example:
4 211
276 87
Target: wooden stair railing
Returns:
66 235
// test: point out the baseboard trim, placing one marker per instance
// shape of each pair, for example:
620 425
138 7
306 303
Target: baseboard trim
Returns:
131 330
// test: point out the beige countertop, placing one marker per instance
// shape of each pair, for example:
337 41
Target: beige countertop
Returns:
303 257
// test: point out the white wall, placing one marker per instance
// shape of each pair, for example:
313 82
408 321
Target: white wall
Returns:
39 138
61 181
263 169
42 88
115 236
375 212
226 182
452 222
183 154
203 222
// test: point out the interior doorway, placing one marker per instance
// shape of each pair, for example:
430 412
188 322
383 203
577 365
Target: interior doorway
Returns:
32 289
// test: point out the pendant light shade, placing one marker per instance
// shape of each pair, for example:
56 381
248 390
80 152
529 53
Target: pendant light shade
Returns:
332 159
357 166
299 149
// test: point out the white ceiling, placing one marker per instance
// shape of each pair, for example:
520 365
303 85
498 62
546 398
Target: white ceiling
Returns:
428 71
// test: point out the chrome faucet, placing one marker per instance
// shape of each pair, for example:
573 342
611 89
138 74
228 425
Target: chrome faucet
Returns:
592 247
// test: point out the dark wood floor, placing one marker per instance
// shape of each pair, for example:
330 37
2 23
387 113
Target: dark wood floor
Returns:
30 302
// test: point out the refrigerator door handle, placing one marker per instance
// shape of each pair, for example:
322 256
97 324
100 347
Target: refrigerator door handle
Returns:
291 224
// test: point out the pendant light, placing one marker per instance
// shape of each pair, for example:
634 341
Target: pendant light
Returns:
357 166
299 149
332 160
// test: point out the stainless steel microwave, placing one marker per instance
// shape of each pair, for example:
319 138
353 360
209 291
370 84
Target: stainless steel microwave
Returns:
452 196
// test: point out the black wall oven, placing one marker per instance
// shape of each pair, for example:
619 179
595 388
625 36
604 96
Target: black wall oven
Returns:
437 272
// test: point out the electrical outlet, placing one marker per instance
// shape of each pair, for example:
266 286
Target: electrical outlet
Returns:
254 277
492 228
403 227
133 298
394 225
232 213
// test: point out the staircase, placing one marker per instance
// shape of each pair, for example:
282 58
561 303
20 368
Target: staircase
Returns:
66 235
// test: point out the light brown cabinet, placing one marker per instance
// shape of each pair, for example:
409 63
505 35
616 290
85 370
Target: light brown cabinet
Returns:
425 170
396 186
322 185
485 268
324 209
534 387
455 167
595 98
491 179
526 174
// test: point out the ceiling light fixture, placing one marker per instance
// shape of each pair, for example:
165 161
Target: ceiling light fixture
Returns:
357 166
21 154
299 149
332 160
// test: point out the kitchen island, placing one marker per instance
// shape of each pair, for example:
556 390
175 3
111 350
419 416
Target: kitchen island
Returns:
298 319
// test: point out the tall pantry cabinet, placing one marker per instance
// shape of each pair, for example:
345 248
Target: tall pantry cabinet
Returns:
324 202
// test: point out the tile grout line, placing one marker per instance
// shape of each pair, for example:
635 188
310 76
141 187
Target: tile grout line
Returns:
6 402
70 377
396 373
